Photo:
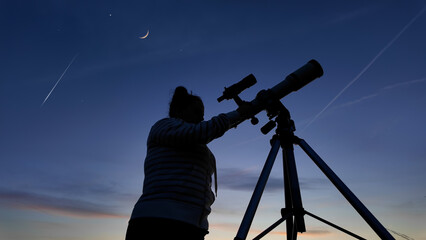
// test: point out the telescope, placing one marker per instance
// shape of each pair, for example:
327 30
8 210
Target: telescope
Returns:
267 99
284 138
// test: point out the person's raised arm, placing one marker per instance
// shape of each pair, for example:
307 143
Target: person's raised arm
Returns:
176 132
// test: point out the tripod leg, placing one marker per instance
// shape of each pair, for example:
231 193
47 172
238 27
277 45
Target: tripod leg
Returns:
335 226
257 194
286 216
346 192
288 203
292 191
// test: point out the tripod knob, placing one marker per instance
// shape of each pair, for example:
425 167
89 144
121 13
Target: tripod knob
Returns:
254 120
268 127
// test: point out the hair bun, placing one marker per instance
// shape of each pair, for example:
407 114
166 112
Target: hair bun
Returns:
180 101
181 92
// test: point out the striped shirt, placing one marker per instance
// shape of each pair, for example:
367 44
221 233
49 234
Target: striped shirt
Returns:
178 169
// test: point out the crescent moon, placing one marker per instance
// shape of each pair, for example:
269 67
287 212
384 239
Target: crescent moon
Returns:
146 35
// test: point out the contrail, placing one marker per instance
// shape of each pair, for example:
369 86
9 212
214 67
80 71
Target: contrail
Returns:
59 79
367 67
380 91
401 235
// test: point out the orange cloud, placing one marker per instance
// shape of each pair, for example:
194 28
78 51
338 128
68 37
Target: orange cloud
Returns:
70 213
57 205
229 227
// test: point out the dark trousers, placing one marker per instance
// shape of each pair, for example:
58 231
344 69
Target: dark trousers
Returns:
162 229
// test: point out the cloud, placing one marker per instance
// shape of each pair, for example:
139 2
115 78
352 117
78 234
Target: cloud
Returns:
97 189
347 16
58 205
308 233
246 179
232 227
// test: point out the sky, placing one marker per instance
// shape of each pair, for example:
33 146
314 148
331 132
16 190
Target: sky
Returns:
80 90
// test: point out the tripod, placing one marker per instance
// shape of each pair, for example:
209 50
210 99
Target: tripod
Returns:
293 213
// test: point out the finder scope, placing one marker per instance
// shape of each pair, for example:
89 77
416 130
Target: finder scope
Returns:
237 88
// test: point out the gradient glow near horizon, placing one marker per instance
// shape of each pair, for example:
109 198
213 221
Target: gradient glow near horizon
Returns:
72 167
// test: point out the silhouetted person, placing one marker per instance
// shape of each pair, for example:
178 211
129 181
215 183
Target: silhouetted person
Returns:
178 168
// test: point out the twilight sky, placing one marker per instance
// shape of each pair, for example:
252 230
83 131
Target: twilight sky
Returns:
79 91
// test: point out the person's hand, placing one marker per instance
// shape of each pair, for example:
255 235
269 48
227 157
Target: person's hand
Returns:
245 109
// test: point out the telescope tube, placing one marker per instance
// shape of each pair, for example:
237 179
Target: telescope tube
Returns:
293 82
298 79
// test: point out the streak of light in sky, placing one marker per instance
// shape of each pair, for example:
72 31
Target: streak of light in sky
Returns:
69 65
366 67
